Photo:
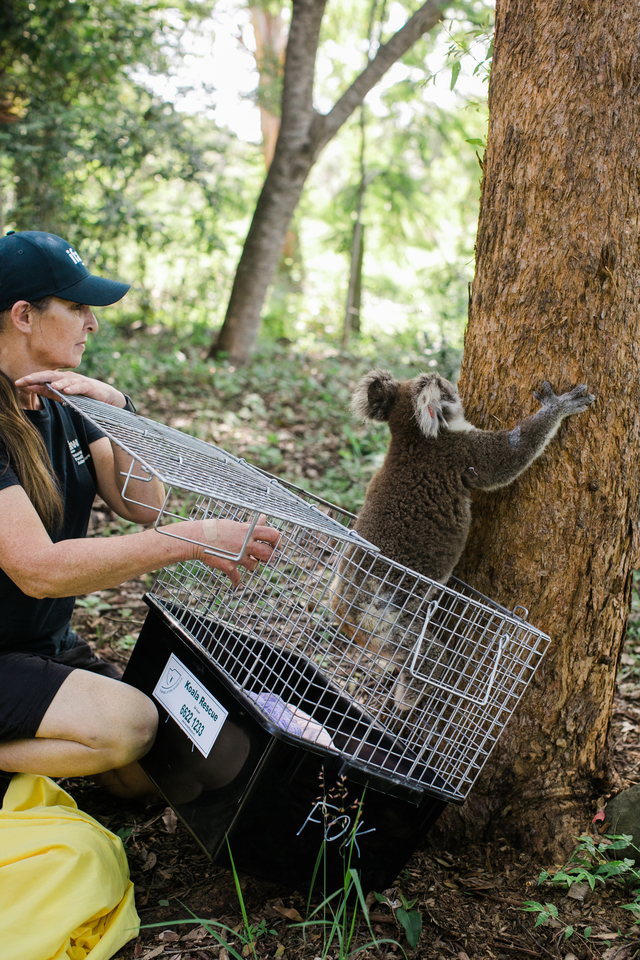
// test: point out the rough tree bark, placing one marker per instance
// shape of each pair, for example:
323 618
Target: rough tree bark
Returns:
303 134
556 297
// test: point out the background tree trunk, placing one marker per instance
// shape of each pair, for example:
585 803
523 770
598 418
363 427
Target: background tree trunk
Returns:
303 135
556 297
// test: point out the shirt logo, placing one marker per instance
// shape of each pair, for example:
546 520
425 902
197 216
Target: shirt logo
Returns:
76 452
71 253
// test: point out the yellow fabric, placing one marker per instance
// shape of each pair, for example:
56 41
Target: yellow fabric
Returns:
65 892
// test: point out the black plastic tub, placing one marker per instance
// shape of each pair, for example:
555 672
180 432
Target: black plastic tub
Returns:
279 800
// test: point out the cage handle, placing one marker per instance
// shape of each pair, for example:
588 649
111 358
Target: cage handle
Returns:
503 641
167 532
416 650
525 611
223 554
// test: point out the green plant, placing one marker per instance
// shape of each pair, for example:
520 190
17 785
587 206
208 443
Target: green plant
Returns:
545 911
410 920
591 863
338 922
251 933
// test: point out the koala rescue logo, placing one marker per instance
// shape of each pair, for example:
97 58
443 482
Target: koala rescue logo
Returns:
75 257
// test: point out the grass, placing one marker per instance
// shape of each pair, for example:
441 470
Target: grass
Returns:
335 917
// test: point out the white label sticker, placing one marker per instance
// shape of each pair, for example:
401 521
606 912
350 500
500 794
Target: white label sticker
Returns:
195 710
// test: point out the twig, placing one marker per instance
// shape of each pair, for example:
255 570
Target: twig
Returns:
537 942
513 946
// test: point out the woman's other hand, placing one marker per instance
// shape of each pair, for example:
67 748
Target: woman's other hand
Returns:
71 384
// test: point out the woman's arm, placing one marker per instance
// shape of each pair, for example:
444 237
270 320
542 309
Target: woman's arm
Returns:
41 568
111 464
110 461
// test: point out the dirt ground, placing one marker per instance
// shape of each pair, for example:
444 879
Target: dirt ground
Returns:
470 899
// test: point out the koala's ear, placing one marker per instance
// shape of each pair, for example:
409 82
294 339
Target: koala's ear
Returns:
374 396
427 403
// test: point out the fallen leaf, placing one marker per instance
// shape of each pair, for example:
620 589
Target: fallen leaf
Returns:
616 953
224 954
199 933
170 820
150 862
570 956
154 953
578 891
168 936
279 951
463 956
605 936
289 912
137 951
598 817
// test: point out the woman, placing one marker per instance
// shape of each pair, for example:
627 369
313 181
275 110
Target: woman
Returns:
63 713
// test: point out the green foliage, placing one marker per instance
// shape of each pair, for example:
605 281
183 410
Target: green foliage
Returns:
408 918
143 190
544 911
161 198
591 863
421 187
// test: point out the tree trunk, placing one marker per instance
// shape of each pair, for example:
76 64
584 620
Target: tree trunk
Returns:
271 43
303 134
556 297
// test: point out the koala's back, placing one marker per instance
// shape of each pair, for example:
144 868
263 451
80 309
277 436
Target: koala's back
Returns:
417 509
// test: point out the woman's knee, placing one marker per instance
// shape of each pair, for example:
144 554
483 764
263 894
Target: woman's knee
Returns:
106 715
133 727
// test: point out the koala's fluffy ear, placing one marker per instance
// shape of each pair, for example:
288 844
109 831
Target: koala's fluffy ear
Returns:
374 396
427 403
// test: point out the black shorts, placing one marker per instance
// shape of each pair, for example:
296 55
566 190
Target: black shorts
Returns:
28 684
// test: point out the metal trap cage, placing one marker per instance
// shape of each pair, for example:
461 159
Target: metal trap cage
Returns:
408 681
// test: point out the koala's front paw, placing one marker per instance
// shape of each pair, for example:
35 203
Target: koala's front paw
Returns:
575 401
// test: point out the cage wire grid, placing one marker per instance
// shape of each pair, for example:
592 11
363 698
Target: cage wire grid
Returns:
418 701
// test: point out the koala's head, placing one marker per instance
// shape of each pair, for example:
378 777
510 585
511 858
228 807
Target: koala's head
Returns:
428 399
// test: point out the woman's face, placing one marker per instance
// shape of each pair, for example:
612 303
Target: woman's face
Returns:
60 333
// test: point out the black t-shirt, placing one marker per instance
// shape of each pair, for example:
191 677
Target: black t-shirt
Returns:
26 623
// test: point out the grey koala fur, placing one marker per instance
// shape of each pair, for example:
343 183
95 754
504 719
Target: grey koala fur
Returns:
418 506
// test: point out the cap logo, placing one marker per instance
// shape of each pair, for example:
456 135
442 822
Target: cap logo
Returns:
73 255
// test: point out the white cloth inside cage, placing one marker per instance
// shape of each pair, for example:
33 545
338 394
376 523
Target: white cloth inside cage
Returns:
292 719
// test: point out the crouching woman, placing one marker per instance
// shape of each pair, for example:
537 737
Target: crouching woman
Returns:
63 711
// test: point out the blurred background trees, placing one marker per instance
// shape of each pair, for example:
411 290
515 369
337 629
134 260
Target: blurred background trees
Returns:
113 133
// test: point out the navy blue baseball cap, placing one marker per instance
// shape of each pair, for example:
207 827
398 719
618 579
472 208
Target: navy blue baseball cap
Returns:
35 265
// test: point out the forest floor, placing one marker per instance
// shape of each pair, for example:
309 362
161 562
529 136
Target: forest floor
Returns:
470 898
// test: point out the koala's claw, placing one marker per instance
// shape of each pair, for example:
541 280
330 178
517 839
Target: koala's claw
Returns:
546 395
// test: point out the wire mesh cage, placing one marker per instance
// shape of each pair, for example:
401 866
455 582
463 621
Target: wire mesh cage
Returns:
419 679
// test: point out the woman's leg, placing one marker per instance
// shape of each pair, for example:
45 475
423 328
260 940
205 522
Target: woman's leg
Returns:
95 726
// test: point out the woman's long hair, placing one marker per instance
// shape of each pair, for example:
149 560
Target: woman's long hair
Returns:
29 458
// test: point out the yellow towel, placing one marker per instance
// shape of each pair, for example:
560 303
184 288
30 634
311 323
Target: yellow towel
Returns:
65 892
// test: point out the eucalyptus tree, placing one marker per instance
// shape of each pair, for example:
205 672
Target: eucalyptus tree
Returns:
556 297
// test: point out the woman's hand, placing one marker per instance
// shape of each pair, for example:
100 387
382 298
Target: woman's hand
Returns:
230 535
72 384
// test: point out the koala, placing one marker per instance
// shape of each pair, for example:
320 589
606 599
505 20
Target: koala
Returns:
417 508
